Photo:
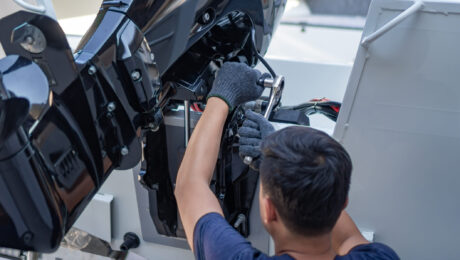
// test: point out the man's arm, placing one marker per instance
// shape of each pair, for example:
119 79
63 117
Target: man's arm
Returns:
234 85
346 235
194 197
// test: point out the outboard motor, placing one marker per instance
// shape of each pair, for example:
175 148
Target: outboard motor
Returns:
68 120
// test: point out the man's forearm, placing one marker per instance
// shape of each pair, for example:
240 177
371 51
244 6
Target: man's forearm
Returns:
193 195
203 148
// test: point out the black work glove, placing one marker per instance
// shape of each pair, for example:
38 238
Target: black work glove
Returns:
255 128
236 83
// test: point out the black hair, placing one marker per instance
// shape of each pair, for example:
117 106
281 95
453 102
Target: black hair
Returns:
306 175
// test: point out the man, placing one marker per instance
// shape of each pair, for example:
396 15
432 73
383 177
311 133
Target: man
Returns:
305 177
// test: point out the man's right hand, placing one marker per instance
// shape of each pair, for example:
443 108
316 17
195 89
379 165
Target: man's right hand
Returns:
255 128
236 84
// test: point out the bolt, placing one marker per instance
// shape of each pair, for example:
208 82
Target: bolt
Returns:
130 240
136 75
92 70
111 107
240 220
29 40
152 56
206 18
27 238
124 151
154 127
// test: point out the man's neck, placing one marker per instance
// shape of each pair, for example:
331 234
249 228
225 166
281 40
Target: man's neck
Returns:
300 247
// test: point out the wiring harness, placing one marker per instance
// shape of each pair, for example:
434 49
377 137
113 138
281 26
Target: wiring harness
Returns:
322 106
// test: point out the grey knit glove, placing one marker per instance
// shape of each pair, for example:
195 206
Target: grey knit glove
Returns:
255 128
236 83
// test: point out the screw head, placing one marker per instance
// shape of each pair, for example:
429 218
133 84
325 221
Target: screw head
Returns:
154 127
136 75
27 238
29 40
124 151
92 70
111 107
206 18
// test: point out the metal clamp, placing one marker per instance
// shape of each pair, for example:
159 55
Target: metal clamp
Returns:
391 24
276 85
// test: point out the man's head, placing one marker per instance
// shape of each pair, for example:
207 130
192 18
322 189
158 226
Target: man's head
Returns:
305 178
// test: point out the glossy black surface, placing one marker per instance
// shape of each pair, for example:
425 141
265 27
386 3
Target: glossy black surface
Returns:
76 118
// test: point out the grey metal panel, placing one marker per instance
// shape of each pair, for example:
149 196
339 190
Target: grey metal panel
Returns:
126 218
400 121
148 230
96 219
342 7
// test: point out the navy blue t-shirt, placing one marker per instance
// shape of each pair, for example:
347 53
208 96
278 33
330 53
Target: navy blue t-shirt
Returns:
214 238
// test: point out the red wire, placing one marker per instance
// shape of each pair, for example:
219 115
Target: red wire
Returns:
196 107
319 100
336 109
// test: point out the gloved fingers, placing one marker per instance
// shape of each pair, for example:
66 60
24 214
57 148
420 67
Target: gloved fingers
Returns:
256 117
240 69
250 141
251 124
248 150
259 90
265 76
249 132
265 127
250 73
254 77
255 165
236 83
257 73
231 66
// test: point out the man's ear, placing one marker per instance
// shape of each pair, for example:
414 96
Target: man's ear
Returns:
270 210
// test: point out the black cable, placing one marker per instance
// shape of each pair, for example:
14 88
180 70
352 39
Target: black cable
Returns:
265 63
319 103
330 109
259 57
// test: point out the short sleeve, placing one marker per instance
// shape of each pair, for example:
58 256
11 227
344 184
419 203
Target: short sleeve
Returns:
375 251
214 238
